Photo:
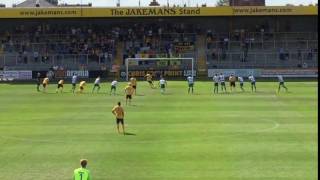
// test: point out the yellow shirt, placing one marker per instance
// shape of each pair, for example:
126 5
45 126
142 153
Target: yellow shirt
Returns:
118 111
61 82
133 81
232 79
45 81
129 90
82 83
149 77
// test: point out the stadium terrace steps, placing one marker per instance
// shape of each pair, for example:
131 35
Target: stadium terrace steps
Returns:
119 56
201 55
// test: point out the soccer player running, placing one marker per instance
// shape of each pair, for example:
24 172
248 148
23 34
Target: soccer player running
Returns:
119 113
216 83
133 81
82 173
149 80
240 79
81 86
38 81
45 83
60 86
253 83
129 92
232 80
96 84
113 87
74 82
222 82
281 83
162 84
190 84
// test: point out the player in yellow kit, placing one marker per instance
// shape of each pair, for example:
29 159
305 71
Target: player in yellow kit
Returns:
149 80
81 86
45 83
129 92
60 86
232 80
133 81
119 113
82 173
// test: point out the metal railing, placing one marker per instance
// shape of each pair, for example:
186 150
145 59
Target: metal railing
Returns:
268 35
265 45
262 60
54 60
230 35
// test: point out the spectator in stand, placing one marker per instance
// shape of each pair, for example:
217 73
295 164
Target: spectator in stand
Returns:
310 54
281 54
35 56
262 34
286 55
209 33
209 40
25 57
226 43
299 54
237 35
214 54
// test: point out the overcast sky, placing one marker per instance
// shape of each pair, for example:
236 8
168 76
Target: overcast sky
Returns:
163 2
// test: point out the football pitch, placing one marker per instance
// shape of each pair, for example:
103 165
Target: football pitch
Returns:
176 136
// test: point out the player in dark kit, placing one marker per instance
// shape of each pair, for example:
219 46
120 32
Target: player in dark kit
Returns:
232 80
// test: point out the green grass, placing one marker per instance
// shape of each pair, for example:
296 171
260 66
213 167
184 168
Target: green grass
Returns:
261 135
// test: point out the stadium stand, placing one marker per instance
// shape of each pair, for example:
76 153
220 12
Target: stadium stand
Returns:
36 3
251 42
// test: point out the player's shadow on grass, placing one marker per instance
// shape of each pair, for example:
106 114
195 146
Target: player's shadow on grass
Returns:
139 95
129 134
50 93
